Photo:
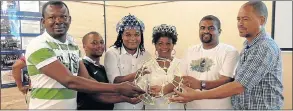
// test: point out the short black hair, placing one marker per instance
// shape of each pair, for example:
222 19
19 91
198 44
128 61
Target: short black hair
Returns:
53 3
85 37
259 7
170 35
213 18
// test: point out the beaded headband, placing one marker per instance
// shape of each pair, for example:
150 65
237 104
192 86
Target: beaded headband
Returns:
129 22
164 28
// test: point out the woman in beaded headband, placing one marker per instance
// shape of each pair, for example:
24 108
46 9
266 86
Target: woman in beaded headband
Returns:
130 34
124 59
164 70
164 39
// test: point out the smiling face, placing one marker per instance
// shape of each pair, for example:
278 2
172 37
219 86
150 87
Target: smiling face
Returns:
94 46
164 47
249 21
131 39
56 20
208 32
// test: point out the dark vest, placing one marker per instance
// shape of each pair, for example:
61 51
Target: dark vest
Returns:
84 100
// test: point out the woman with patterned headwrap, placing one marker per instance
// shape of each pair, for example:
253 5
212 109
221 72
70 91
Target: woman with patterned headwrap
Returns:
126 56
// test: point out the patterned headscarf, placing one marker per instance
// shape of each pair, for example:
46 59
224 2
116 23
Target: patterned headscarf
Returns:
129 22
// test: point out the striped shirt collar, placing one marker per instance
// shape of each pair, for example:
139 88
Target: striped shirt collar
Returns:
69 39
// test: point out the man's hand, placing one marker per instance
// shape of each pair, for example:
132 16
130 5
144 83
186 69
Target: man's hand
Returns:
187 95
129 89
132 100
114 98
191 82
23 89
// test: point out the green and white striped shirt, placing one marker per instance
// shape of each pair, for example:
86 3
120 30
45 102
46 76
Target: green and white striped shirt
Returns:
47 93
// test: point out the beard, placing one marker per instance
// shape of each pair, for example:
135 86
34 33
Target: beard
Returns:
206 41
247 35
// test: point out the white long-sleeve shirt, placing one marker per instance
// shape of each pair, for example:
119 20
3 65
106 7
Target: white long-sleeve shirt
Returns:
118 62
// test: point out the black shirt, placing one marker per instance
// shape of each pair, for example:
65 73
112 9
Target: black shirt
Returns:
84 100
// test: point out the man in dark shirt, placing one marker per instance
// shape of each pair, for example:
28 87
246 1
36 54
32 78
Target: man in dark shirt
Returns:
93 45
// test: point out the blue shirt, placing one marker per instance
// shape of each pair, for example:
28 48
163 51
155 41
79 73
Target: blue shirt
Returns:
260 73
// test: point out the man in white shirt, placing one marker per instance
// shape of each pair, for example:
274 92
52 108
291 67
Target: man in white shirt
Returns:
127 55
210 64
258 76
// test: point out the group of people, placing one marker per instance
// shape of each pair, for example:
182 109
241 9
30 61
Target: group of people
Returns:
215 75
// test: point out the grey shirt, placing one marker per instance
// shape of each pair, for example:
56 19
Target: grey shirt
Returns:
260 73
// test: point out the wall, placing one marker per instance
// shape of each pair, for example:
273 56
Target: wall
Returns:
287 79
185 15
88 17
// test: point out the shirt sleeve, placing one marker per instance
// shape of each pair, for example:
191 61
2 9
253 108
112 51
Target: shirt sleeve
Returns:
111 66
177 69
255 68
40 56
183 64
230 62
22 58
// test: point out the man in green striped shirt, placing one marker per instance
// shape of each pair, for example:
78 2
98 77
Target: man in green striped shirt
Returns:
55 69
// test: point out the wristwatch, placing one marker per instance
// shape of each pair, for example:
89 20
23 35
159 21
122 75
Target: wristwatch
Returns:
202 85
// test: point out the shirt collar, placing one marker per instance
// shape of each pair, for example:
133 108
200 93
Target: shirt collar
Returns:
260 35
69 39
90 60
123 51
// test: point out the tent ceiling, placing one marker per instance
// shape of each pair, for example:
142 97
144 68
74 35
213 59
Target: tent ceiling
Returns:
125 3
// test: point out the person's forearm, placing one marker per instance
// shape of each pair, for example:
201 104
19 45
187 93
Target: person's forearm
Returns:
89 86
129 77
108 97
227 90
16 73
216 83
80 83
168 88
